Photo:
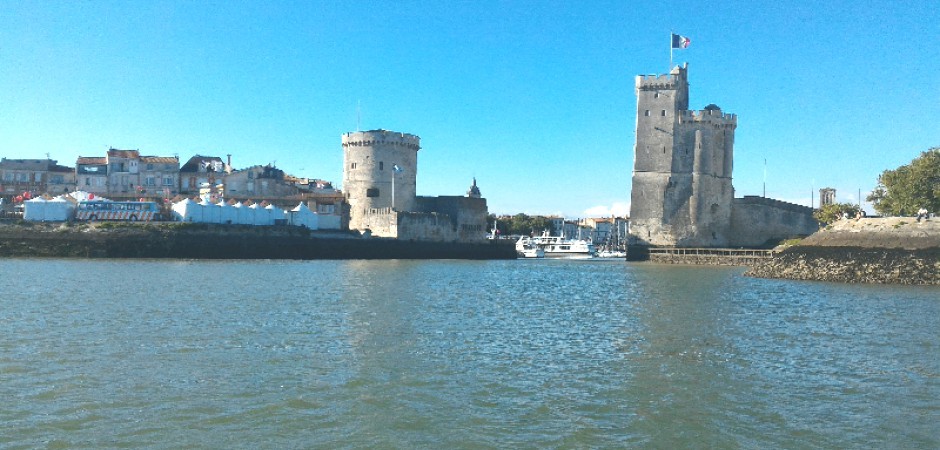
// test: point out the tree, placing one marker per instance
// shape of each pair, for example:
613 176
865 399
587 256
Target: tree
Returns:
835 211
522 224
904 190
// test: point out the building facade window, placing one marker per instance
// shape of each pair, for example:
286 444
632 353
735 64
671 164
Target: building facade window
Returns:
150 181
168 181
372 192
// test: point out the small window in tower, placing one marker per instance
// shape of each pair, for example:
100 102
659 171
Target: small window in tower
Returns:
381 165
664 113
352 166
646 113
656 95
372 192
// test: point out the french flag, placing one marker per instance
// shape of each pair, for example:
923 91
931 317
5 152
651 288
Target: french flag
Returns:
680 41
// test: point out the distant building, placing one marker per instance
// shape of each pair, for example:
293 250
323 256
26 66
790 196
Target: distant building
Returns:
37 176
159 175
827 196
682 193
259 182
200 171
380 181
91 173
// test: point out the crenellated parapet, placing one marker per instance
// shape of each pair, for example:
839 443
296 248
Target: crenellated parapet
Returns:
714 118
675 80
381 138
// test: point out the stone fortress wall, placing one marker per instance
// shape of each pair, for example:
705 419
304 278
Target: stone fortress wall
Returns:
682 180
755 220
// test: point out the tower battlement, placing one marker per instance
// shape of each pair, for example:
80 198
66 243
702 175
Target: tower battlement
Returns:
381 137
672 80
655 82
712 117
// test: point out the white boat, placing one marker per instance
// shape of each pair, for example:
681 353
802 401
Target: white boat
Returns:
557 246
612 254
527 248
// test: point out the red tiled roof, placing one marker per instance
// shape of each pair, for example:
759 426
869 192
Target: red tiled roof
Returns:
160 159
115 153
91 160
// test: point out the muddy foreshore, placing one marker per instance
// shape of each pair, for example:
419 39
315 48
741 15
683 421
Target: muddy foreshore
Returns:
205 241
894 250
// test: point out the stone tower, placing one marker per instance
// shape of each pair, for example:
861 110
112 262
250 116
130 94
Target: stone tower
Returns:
371 159
682 192
827 196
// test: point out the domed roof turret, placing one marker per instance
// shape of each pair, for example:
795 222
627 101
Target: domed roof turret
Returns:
474 191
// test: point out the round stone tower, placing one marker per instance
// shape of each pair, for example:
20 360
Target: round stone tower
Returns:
379 172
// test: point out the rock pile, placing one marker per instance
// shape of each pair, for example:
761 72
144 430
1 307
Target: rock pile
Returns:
894 250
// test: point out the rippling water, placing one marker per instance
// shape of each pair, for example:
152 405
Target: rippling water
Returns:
458 354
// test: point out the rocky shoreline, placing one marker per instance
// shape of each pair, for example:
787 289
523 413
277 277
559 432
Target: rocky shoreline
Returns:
207 241
883 251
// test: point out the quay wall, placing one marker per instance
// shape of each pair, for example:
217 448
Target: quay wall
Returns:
698 256
706 260
221 243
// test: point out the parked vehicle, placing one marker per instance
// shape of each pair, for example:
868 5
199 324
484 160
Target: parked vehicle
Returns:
92 210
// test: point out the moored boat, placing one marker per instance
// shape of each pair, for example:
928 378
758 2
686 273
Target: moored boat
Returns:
557 246
527 248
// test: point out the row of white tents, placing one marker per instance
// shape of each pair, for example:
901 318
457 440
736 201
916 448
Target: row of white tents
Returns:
256 214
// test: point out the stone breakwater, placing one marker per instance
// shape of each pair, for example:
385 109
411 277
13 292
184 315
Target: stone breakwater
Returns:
897 250
205 241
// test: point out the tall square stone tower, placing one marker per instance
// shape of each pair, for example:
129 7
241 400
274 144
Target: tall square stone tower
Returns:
682 193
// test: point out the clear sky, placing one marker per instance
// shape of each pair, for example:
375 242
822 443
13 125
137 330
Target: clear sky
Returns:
534 99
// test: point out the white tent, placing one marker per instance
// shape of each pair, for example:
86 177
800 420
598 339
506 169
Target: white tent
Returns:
187 210
258 215
276 214
302 216
211 213
41 210
228 214
35 210
242 214
60 209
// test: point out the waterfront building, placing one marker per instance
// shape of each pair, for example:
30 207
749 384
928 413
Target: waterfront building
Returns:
91 173
159 176
37 176
201 170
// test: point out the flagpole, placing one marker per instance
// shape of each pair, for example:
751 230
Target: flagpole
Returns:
670 53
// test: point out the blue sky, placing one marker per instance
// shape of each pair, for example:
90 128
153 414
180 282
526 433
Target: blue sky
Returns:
534 99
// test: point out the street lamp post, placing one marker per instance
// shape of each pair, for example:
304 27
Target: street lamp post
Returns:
395 171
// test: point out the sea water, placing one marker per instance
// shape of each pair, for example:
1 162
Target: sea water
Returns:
458 354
